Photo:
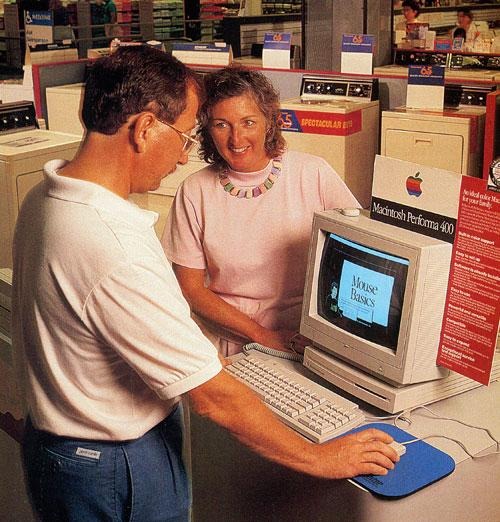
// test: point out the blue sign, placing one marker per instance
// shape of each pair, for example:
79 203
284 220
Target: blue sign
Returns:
38 18
426 75
277 41
358 43
288 121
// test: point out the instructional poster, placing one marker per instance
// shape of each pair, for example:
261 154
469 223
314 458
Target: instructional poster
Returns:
472 310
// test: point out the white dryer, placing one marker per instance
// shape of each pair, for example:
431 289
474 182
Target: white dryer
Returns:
451 139
24 149
337 118
63 108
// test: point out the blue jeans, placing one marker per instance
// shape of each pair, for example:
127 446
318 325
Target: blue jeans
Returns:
141 480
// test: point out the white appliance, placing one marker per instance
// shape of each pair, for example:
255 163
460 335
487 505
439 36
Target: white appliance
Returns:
337 118
63 108
9 399
24 150
451 139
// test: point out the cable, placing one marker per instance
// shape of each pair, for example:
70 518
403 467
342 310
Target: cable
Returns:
460 443
464 424
399 416
270 351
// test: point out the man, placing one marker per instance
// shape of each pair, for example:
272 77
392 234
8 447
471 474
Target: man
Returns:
106 11
105 336
104 15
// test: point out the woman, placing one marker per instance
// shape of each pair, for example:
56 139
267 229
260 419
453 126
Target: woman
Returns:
238 231
411 10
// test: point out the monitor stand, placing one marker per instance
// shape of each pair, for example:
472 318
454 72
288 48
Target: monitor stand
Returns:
382 395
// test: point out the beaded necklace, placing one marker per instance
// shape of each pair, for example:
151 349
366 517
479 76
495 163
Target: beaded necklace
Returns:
251 192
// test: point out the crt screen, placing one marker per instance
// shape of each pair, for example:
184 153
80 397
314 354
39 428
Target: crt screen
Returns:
361 290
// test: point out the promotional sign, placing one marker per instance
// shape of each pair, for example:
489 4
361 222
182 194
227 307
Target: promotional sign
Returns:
494 175
443 44
357 53
416 30
217 53
38 27
472 310
425 87
276 50
314 122
415 197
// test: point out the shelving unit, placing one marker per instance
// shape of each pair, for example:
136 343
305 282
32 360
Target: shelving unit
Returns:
278 7
442 19
3 42
204 20
243 31
124 16
168 19
14 37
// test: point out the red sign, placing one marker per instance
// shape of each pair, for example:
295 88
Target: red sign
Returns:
472 309
313 122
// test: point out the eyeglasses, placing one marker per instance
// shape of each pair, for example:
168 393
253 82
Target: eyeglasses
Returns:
189 141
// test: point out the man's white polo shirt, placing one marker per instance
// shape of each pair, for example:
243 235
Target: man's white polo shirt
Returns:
105 335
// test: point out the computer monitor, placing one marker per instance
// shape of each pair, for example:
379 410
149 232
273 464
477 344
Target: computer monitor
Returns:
374 296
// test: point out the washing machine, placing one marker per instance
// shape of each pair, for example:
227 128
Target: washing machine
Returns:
451 139
337 118
24 149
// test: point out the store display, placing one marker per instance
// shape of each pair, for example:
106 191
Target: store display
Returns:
333 118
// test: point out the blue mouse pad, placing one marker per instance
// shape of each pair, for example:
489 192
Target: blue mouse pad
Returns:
421 465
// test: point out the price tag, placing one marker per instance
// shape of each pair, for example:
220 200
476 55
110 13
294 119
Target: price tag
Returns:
425 87
357 53
276 50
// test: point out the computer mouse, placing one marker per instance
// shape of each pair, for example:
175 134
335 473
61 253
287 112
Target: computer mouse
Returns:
399 448
350 212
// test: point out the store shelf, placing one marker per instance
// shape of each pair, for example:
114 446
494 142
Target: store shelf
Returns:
444 18
290 7
168 19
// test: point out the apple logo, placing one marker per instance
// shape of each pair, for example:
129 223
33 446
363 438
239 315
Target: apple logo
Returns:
413 185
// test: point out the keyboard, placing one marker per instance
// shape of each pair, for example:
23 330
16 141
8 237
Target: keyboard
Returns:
305 406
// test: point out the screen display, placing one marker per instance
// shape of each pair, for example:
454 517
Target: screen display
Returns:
361 290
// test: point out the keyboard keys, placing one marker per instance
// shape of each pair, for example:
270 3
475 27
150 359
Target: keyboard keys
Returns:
312 410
